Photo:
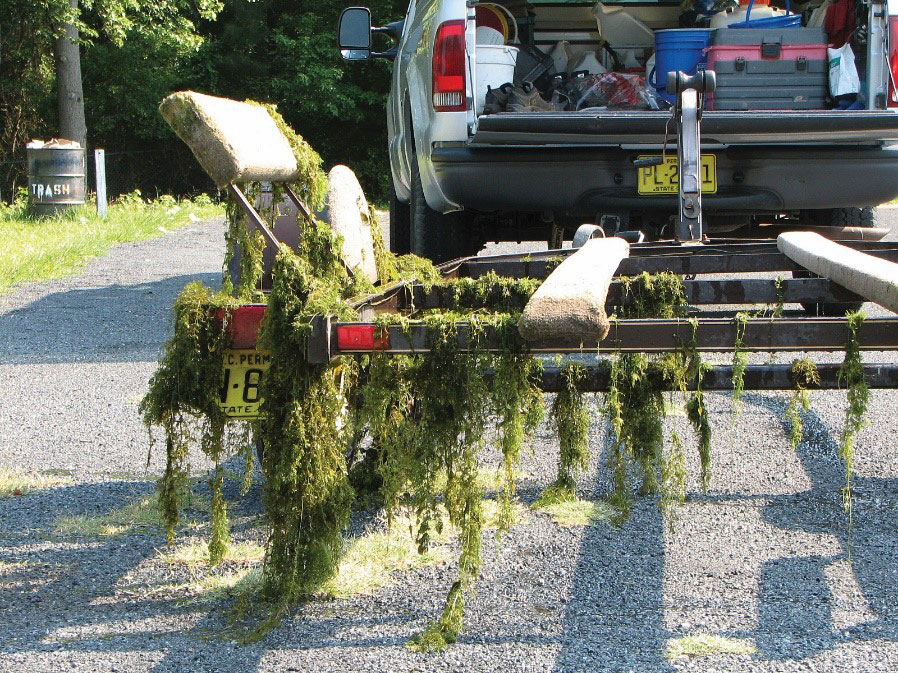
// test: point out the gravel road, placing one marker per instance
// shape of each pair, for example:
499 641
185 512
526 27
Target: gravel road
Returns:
763 558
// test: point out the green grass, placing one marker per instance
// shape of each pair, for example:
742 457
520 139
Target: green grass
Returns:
141 515
704 644
14 484
45 248
195 553
581 512
370 561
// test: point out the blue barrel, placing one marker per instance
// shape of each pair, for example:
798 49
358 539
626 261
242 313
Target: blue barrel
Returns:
678 49
56 179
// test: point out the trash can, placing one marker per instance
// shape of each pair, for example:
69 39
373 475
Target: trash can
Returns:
56 176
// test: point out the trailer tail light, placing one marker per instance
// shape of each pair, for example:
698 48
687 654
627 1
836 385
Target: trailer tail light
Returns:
361 338
244 324
893 61
449 68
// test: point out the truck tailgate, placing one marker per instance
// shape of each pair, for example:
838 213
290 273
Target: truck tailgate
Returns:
758 127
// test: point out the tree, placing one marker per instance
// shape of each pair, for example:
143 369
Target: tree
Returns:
31 30
69 91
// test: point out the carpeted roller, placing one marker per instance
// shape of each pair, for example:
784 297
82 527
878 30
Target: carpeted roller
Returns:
346 210
233 141
872 278
570 304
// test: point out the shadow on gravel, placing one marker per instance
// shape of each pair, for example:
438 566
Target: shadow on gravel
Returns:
64 594
114 323
615 616
797 607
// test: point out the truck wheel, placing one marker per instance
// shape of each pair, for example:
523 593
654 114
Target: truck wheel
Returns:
828 309
843 217
400 226
436 236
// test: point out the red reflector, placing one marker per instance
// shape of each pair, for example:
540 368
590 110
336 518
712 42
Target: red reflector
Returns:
449 68
361 338
244 325
893 61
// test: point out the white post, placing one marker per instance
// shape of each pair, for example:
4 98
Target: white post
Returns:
100 163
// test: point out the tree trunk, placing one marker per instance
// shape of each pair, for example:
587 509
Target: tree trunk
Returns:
68 84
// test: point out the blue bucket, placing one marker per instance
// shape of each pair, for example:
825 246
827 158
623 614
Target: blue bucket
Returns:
678 49
788 20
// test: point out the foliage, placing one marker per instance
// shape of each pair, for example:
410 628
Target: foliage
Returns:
634 404
851 373
307 494
136 53
803 374
133 55
491 291
183 400
659 295
740 360
570 418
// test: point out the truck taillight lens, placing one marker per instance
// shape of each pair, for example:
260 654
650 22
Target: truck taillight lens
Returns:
893 61
449 68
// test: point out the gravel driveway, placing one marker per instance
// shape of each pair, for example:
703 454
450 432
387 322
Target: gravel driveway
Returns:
763 558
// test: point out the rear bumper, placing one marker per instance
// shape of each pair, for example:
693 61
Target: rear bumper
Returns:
582 179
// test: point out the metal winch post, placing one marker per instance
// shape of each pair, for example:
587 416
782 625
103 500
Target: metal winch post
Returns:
690 91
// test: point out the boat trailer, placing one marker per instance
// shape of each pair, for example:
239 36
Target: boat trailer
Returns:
715 304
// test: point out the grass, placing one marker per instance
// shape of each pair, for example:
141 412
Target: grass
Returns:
140 515
45 248
195 553
489 480
14 483
369 562
705 644
581 512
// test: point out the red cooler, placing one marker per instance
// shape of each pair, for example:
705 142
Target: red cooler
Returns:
769 69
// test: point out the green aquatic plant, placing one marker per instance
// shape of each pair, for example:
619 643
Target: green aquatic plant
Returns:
569 416
851 374
740 360
183 400
804 374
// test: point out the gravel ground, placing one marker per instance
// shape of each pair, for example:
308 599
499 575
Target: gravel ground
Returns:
764 556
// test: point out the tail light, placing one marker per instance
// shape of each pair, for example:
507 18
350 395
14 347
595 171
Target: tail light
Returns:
893 61
449 68
243 324
361 338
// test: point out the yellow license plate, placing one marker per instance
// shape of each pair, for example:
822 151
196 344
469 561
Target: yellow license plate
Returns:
243 370
665 179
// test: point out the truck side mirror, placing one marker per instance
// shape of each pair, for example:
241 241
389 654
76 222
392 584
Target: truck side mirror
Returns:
354 32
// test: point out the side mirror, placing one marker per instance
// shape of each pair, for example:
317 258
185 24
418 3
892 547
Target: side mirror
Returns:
354 32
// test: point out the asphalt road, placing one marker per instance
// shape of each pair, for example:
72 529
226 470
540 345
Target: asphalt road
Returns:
765 557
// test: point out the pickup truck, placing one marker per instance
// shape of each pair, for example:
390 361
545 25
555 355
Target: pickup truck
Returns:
463 175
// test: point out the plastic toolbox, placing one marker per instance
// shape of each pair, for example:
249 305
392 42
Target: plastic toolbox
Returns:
769 69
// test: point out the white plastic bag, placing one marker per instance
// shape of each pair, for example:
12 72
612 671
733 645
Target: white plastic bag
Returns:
843 77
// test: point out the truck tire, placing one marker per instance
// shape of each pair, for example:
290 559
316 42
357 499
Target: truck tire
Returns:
844 217
400 226
436 236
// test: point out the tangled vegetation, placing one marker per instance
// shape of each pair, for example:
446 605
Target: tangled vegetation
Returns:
803 374
740 360
426 413
635 401
851 373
